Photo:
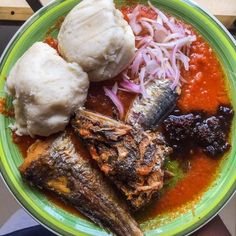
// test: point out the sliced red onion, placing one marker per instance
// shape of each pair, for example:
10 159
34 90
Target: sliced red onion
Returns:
160 32
151 67
143 42
159 20
160 74
147 19
173 36
115 88
161 52
156 53
114 98
179 42
136 27
136 64
125 76
130 86
155 71
175 67
169 70
149 27
184 59
145 56
175 83
158 26
173 59
142 85
166 53
164 18
139 38
138 60
124 90
162 15
159 36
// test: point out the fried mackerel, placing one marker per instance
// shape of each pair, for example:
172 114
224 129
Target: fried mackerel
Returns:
147 113
131 158
55 165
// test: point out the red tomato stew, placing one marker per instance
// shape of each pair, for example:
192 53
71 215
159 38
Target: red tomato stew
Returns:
204 90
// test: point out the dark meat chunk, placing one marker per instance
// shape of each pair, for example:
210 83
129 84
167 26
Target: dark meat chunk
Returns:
55 165
132 159
225 115
187 131
210 137
179 129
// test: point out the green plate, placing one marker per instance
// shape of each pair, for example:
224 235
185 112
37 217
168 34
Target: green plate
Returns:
63 222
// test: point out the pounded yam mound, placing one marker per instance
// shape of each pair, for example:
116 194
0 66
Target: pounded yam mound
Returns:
46 90
96 36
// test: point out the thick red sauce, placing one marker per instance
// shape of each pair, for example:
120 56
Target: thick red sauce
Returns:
205 89
4 110
23 142
97 101
198 178
52 42
144 12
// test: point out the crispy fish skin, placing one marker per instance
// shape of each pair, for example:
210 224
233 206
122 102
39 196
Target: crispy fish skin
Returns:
55 165
148 112
132 159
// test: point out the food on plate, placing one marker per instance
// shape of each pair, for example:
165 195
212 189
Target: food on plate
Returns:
155 72
208 132
57 166
96 36
156 115
149 112
46 90
132 159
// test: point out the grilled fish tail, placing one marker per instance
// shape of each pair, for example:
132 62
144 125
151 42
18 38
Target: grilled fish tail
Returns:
56 165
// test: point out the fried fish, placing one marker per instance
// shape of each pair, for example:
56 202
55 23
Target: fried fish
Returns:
148 112
132 159
57 166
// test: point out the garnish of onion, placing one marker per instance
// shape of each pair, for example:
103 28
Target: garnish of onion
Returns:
130 86
114 98
162 50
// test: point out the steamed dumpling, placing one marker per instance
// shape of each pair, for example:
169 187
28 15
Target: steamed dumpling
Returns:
46 90
96 36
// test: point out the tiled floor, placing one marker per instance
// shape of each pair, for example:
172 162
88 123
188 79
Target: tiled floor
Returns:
8 206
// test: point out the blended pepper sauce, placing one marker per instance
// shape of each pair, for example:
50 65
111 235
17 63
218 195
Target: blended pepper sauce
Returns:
189 189
204 89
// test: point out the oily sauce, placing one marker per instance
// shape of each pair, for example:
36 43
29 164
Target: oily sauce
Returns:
97 100
4 110
204 89
67 207
23 142
199 176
